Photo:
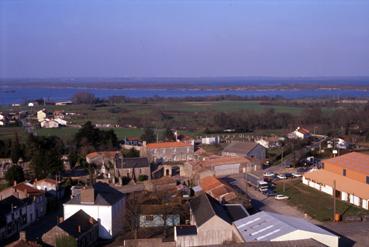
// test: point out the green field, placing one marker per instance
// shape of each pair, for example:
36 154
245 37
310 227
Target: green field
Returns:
315 203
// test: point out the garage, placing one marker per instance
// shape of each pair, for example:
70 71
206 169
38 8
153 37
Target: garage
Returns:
225 170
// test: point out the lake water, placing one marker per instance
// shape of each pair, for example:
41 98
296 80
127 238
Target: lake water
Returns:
19 95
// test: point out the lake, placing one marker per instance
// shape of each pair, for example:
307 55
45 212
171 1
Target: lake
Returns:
11 95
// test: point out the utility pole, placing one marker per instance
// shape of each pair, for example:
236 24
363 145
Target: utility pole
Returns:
334 199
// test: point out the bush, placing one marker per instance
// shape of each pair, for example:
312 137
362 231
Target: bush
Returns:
142 178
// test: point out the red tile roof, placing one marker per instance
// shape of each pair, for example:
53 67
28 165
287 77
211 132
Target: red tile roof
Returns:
354 161
28 189
303 131
216 188
168 145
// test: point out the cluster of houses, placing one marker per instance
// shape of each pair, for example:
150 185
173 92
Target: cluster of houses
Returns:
51 120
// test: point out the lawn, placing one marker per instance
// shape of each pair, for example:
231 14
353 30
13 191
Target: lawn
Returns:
315 203
9 133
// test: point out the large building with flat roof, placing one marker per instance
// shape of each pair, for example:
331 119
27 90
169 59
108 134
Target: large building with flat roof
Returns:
266 226
349 173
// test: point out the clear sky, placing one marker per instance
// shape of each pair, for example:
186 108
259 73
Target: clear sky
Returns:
117 38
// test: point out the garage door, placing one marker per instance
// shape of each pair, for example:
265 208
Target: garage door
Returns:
225 170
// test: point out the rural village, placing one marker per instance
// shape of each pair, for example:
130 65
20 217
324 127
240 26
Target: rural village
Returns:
298 188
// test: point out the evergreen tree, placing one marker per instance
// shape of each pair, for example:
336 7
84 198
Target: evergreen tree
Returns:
149 135
14 173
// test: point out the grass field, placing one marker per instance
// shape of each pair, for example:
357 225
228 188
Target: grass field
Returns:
315 203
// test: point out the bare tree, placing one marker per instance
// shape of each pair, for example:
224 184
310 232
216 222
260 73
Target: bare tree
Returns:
133 213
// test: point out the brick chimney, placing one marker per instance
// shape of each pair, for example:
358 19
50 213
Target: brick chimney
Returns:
22 235
88 195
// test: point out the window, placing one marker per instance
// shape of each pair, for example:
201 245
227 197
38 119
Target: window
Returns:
344 172
149 217
367 179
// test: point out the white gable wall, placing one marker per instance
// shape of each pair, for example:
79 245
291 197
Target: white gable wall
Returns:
328 240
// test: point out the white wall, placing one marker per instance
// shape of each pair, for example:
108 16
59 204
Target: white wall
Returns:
365 204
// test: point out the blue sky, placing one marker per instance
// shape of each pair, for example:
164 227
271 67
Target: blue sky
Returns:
117 38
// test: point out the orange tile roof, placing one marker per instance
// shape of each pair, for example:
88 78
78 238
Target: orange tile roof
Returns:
168 145
47 180
354 161
216 188
342 183
28 189
106 154
303 130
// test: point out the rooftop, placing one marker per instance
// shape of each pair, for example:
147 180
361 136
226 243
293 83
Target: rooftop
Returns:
168 145
6 206
136 162
342 183
104 154
77 224
223 160
266 226
29 189
186 230
216 188
303 131
204 207
355 161
103 195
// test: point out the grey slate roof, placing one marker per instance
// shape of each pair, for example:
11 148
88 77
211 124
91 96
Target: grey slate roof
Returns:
136 162
265 226
79 219
204 207
104 195
240 147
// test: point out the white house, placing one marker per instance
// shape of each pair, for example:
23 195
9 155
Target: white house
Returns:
60 121
49 124
210 140
102 202
301 133
266 226
41 115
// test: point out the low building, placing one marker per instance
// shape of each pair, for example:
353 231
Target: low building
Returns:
50 186
246 149
80 226
269 142
49 124
136 168
210 140
300 133
102 202
210 223
214 187
266 226
41 115
348 174
220 166
102 158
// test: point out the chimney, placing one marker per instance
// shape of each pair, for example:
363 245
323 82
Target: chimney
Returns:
87 196
22 235
61 219
15 183
91 220
79 228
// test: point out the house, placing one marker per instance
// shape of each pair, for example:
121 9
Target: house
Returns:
41 115
80 226
50 186
131 142
300 133
102 158
350 175
61 121
136 167
266 226
269 142
49 124
102 202
214 187
247 149
210 140
26 190
168 151
210 222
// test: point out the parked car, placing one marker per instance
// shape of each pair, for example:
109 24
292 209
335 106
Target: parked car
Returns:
281 176
269 174
270 193
281 197
296 175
